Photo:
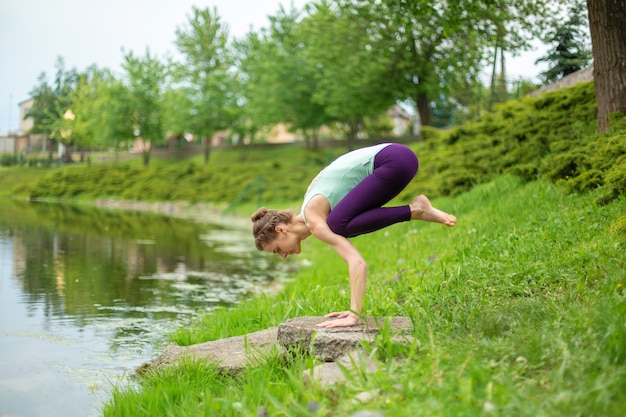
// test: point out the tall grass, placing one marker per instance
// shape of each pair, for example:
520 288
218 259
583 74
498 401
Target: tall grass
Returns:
518 310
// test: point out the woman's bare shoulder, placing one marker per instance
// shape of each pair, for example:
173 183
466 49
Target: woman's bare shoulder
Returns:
318 206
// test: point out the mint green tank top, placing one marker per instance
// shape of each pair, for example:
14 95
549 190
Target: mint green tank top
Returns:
342 175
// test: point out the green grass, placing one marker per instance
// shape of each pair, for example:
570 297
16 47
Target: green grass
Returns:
519 310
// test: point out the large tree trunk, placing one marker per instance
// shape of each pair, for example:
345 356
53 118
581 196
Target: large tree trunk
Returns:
50 145
607 23
311 139
145 155
423 108
206 140
352 133
315 139
244 149
146 147
68 154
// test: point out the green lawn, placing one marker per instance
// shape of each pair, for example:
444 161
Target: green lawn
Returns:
519 311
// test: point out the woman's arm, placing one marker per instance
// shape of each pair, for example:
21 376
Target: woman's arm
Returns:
357 268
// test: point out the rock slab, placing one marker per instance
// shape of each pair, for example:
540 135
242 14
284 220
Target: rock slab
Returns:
330 344
231 354
345 366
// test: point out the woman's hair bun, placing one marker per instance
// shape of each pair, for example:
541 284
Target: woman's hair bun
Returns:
259 214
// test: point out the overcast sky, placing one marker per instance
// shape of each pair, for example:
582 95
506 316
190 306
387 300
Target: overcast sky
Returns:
33 33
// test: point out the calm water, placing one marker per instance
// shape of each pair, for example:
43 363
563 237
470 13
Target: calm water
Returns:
88 295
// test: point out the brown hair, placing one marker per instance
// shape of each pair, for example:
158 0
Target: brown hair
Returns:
265 222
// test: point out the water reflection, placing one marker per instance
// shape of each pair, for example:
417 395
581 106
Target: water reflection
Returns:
86 294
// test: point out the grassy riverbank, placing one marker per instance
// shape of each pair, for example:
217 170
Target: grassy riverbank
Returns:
519 310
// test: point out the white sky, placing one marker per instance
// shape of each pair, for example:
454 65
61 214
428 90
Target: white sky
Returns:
33 33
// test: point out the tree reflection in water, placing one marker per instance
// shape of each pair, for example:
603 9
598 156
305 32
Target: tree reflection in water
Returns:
125 278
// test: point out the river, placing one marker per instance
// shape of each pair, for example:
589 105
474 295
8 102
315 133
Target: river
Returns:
87 295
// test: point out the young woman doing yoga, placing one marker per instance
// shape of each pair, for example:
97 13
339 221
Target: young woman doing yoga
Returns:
344 200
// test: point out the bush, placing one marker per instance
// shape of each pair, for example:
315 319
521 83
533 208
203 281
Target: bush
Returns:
553 136
7 159
530 138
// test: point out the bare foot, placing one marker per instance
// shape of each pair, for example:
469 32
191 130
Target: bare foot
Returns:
421 209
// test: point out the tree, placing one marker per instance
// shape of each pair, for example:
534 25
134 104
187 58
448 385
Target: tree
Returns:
277 82
429 46
51 103
437 48
84 128
207 69
607 24
343 47
254 84
177 111
101 107
569 39
258 85
146 78
113 109
43 109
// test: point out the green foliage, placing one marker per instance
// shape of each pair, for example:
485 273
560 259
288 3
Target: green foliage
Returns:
570 42
350 69
599 163
103 109
7 159
221 182
552 136
207 71
145 78
51 101
277 83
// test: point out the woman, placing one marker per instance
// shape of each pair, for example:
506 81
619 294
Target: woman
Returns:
345 200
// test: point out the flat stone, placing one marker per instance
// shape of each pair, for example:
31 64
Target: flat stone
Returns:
231 354
366 396
367 413
329 344
344 367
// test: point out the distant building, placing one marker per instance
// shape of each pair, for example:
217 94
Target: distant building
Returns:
7 143
26 123
404 123
281 134
23 141
13 143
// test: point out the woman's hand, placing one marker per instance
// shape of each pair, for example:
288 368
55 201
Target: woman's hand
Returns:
344 319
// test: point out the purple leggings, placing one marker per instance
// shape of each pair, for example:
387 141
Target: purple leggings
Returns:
361 211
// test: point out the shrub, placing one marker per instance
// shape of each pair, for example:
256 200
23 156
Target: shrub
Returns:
553 136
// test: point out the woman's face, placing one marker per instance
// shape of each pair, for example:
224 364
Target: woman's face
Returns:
285 244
